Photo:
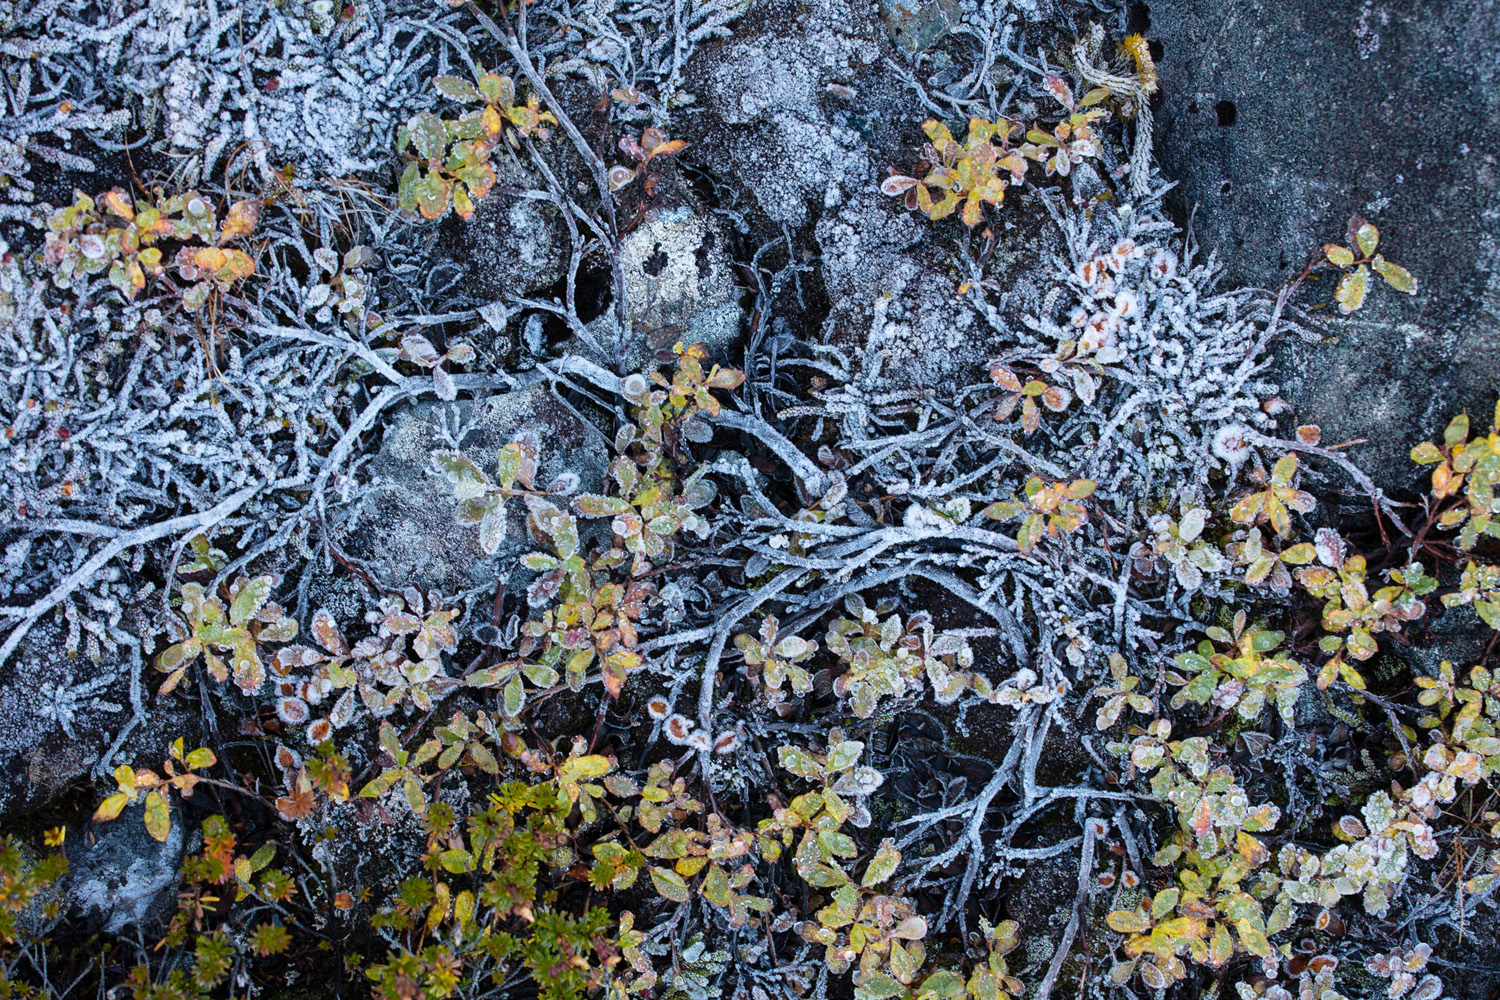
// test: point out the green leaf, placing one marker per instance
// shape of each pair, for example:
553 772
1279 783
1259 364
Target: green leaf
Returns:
1425 453
593 505
844 755
513 699
432 195
883 865
1395 275
825 876
509 463
429 135
250 599
380 784
1264 642
1457 431
466 478
1033 530
669 884
799 763
1362 645
879 987
406 189
1284 469
1366 236
456 88
1003 510
838 844
492 528
942 984
715 887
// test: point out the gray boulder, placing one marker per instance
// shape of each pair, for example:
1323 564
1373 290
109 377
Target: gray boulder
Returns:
1280 119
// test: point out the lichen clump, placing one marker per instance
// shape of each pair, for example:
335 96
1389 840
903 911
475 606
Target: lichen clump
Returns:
812 681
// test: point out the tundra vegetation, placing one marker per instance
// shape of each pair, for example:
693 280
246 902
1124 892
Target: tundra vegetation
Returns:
1084 672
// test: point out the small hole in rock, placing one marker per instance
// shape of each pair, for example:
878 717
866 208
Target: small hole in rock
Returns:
655 264
702 255
1226 112
1138 19
1192 107
1225 188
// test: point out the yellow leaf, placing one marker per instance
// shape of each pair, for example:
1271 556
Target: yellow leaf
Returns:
1352 289
463 908
243 215
209 259
158 816
1253 938
201 758
440 906
583 768
1128 921
118 202
1338 256
111 807
173 679
1251 849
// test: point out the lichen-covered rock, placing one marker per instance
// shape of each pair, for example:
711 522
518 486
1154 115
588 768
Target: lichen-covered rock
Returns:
916 25
771 89
121 874
510 246
56 716
1281 119
810 113
64 705
404 524
679 284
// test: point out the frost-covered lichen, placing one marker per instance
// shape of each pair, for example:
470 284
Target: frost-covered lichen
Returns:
679 570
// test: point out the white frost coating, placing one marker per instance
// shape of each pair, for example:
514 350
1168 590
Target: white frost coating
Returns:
119 880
